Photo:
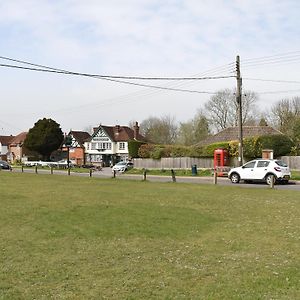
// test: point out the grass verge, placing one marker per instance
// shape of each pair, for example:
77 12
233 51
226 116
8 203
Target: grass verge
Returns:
88 238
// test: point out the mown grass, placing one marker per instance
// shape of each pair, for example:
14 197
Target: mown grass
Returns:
167 172
88 238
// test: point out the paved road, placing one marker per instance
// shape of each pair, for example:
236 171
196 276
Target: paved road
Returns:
107 173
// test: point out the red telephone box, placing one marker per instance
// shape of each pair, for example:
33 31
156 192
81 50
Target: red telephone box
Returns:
221 161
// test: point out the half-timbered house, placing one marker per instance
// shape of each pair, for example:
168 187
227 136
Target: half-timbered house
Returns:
109 144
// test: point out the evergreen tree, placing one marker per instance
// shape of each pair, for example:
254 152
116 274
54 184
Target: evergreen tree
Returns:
45 137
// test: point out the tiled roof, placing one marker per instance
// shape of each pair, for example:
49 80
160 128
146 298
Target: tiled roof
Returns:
80 136
121 133
5 140
19 139
232 134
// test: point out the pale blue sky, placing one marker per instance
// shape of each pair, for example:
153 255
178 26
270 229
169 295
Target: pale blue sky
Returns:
137 37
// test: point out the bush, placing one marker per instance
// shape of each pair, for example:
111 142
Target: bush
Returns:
208 151
145 150
133 148
281 144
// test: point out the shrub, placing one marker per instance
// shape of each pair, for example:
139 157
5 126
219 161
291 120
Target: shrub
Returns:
133 148
281 144
145 150
208 150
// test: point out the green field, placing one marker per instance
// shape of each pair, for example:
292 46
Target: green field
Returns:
87 238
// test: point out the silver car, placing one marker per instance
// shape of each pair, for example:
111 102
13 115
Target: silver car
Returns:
261 170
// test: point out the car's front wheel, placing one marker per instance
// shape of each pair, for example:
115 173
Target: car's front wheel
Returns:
235 178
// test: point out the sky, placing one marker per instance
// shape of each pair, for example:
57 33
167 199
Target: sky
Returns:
144 38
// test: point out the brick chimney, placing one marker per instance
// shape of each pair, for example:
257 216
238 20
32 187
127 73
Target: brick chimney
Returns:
117 129
136 129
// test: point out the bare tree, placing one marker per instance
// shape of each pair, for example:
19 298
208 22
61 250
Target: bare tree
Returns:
160 130
285 113
222 108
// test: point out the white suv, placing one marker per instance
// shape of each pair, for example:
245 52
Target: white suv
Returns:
261 170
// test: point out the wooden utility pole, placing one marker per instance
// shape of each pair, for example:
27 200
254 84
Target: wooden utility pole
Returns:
240 113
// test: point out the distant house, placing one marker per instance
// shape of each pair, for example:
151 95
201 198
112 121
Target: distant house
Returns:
5 141
232 134
16 149
77 149
109 144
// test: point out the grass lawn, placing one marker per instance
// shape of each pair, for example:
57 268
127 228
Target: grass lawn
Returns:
88 238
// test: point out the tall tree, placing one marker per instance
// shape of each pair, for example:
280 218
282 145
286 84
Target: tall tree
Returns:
222 108
45 137
160 130
193 131
285 113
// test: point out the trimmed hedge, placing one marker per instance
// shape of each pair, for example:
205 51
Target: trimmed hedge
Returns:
280 144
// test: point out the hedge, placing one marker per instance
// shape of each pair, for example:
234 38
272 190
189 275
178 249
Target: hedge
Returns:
280 144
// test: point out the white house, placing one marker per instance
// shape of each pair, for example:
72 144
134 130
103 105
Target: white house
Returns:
109 144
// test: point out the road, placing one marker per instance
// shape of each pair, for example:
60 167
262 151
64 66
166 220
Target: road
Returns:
107 173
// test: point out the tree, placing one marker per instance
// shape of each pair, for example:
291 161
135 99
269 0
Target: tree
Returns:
194 131
285 114
222 108
160 130
45 137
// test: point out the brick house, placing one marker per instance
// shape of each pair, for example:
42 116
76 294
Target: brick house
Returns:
232 134
17 152
5 141
109 144
77 148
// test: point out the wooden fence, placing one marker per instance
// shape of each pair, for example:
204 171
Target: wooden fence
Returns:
173 163
202 163
292 161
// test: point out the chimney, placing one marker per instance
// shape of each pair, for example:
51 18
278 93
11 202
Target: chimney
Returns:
136 129
116 130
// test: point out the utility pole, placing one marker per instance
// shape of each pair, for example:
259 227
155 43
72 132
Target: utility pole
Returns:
239 102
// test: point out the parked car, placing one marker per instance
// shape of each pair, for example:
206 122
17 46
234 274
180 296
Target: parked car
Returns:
122 166
261 170
4 165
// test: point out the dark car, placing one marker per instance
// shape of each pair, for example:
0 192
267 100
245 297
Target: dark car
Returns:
4 165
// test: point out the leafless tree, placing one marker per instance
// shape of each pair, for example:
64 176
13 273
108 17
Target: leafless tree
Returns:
161 130
285 113
222 108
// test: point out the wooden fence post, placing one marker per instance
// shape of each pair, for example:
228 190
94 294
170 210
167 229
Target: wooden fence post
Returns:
215 176
173 175
272 182
91 172
36 171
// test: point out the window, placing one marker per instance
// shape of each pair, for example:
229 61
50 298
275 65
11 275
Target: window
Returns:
249 165
122 146
94 146
262 164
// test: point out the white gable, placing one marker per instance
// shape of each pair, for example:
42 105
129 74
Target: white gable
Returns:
101 136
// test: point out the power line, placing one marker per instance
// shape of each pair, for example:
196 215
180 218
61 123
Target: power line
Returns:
55 70
270 56
108 79
271 80
280 92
